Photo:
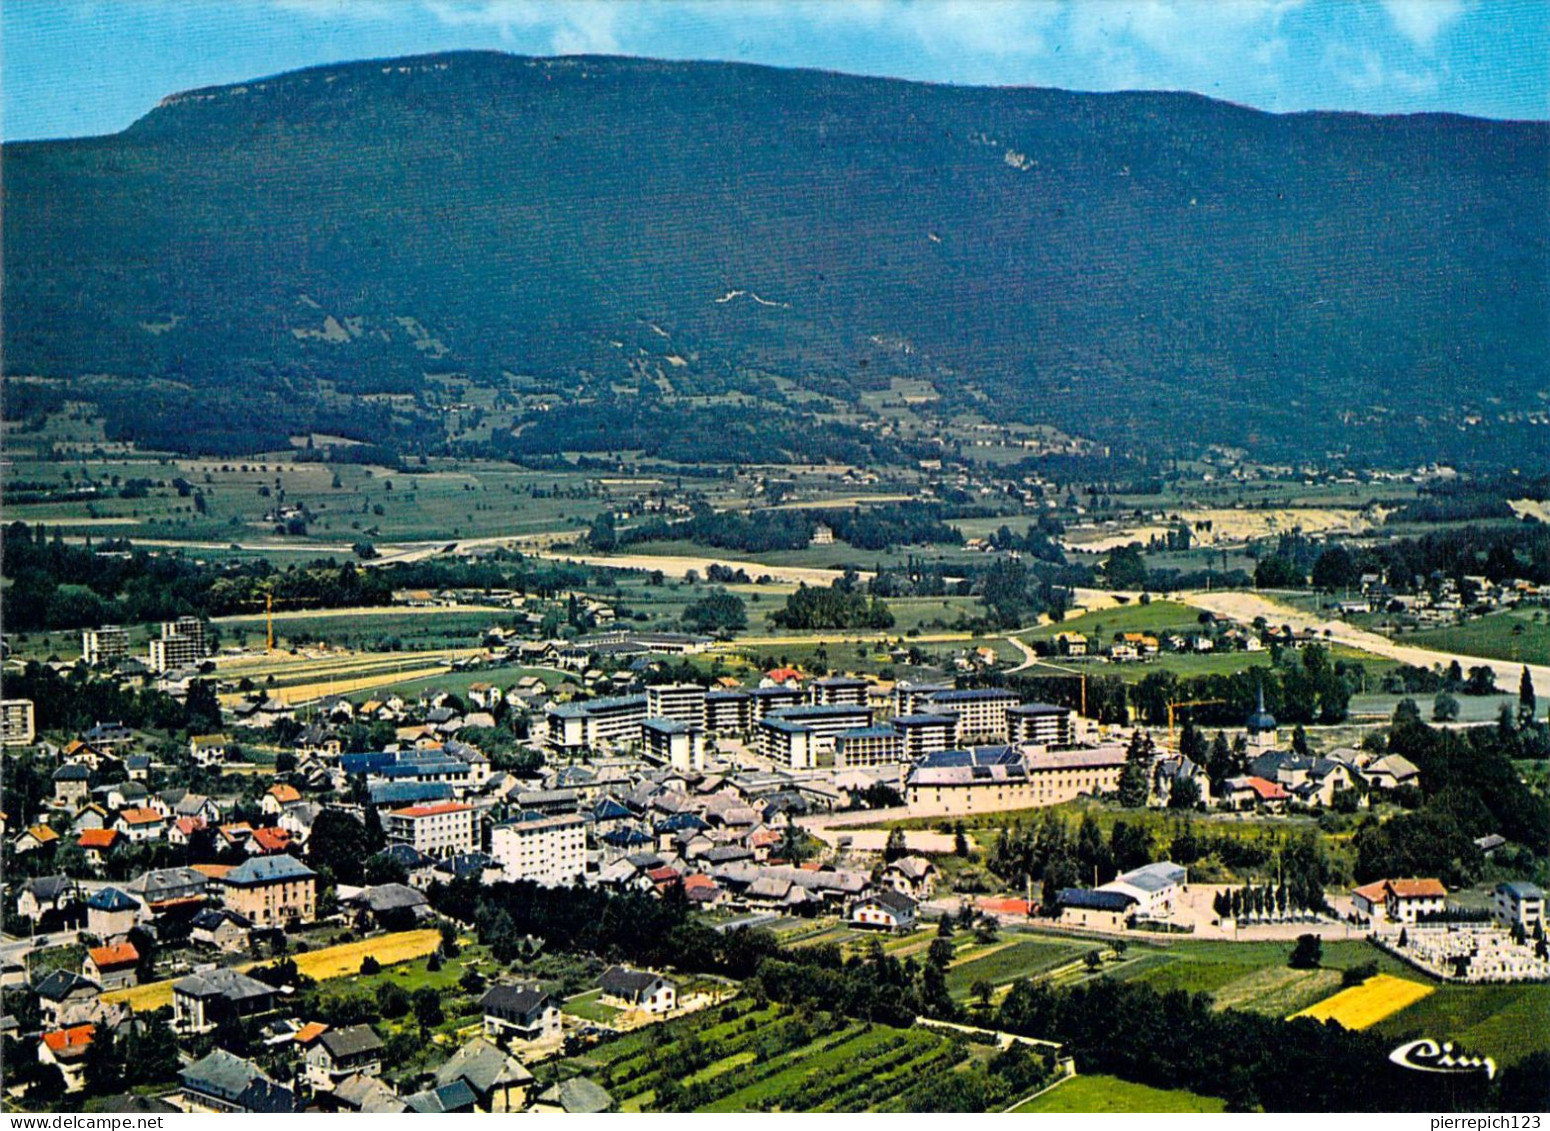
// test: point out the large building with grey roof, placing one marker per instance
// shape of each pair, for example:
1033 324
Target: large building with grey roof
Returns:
988 779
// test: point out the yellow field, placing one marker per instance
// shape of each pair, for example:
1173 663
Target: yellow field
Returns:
337 961
330 962
303 692
1362 1006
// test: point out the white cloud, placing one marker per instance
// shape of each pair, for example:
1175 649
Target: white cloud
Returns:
574 28
1421 21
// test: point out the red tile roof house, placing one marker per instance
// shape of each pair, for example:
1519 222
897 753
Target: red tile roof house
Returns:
1410 899
141 824
66 1048
1255 793
97 843
267 842
114 967
1399 901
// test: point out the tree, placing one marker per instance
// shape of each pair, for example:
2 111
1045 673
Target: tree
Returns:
1335 569
1277 572
1126 568
602 535
392 1000
1135 778
1445 708
339 846
960 840
1527 703
1005 591
426 1002
201 708
716 613
1482 681
981 992
1307 954
1185 794
895 846
103 1070
370 965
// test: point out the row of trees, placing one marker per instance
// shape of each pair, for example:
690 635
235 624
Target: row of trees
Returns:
1498 553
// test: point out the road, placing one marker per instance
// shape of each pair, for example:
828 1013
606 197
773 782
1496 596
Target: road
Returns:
1030 657
1245 607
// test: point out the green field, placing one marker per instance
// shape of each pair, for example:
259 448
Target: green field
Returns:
1022 959
1520 635
1506 1022
1153 618
1091 1095
1253 977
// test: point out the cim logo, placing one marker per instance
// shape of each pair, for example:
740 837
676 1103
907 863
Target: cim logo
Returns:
1426 1055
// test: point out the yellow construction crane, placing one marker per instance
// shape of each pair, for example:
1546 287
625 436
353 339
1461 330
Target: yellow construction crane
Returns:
1079 675
1172 741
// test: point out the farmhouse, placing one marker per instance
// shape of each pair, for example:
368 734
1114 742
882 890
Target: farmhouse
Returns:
914 876
498 1080
1083 907
1399 901
886 910
110 912
66 1050
224 1082
46 894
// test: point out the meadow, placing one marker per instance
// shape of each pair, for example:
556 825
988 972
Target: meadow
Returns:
1109 1094
1519 635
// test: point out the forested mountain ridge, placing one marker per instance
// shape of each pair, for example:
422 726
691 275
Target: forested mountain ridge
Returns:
598 240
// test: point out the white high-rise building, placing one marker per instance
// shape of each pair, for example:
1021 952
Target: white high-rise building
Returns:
551 851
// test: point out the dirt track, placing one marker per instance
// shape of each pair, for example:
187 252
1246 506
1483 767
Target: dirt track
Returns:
676 566
1246 606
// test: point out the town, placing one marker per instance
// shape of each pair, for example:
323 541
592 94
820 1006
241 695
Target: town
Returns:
272 903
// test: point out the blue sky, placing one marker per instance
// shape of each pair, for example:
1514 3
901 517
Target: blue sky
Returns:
75 67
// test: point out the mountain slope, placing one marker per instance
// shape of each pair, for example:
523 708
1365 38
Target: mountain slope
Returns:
1150 269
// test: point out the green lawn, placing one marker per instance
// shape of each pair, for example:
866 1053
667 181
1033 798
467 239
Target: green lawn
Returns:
588 1007
1092 1095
